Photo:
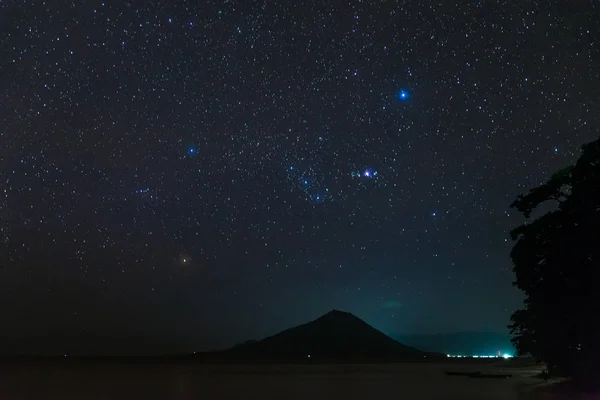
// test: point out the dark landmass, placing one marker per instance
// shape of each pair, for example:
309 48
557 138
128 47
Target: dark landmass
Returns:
336 337
463 343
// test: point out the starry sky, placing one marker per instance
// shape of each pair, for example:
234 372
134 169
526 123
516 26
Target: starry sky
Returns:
188 175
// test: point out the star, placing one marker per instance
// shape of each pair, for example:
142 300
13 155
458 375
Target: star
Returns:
369 173
185 260
403 95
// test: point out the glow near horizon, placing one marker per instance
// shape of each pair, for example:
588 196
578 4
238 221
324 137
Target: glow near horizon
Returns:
505 356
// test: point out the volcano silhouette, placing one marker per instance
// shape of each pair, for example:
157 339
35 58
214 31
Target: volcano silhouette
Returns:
336 335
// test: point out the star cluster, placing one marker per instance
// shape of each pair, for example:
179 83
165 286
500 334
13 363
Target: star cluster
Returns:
244 166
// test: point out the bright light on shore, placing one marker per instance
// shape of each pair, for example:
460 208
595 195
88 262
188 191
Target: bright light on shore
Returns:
505 356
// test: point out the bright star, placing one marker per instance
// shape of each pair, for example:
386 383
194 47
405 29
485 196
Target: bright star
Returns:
317 198
369 173
403 95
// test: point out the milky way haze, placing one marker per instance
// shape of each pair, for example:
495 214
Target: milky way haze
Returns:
199 173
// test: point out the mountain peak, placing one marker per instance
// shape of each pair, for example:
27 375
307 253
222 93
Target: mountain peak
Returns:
337 314
334 311
340 318
334 335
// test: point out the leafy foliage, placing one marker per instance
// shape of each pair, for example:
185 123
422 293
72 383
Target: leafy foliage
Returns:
556 261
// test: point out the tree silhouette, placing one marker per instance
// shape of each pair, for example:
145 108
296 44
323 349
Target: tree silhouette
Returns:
556 261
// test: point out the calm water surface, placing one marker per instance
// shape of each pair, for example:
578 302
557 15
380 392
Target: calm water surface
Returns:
380 382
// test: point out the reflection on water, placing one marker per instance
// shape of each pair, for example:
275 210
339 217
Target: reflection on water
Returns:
82 382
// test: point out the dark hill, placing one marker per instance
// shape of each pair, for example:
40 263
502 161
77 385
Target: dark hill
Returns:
334 336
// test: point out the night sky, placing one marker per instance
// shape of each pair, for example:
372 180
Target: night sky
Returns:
188 175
